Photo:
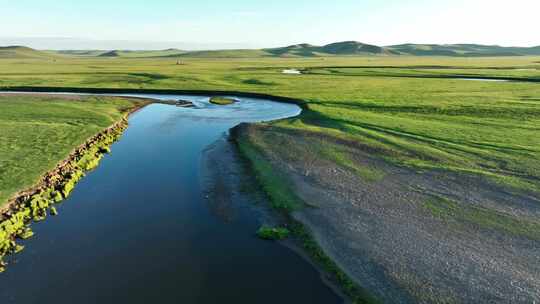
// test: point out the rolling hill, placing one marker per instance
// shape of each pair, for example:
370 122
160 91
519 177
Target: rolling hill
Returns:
82 53
110 54
464 50
122 53
243 53
354 48
143 53
22 52
345 48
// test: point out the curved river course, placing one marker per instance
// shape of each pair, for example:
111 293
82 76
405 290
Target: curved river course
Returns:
138 229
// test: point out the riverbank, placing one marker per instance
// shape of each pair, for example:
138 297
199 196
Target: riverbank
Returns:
406 236
284 200
37 201
231 185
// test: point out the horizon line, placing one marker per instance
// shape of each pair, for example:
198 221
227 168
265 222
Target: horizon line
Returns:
233 45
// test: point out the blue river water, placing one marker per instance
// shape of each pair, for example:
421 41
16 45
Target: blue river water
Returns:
137 229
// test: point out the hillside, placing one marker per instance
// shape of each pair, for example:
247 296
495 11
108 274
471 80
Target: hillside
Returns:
122 53
146 53
22 52
467 50
354 48
245 53
346 48
110 54
82 53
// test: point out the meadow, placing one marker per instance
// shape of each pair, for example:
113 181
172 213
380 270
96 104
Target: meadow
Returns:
38 132
414 111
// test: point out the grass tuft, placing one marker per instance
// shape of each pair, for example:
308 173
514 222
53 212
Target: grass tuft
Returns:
273 233
222 101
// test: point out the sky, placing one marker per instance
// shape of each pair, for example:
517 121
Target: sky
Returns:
210 24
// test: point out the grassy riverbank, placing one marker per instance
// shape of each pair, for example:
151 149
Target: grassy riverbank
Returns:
282 197
39 132
50 142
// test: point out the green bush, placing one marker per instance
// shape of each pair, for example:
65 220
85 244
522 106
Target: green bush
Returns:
270 233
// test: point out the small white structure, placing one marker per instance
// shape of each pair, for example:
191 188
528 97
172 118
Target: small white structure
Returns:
291 71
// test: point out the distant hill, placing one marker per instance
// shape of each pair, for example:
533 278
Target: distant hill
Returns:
354 48
345 48
297 50
122 53
89 53
110 54
225 54
464 50
22 52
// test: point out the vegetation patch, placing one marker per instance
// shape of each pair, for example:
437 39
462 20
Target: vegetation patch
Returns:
310 149
275 185
481 217
273 233
222 101
151 76
255 81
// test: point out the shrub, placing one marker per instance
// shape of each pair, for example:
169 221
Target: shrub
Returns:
269 233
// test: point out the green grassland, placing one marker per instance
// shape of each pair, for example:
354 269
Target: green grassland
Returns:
486 128
38 132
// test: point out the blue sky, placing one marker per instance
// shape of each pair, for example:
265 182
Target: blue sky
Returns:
243 23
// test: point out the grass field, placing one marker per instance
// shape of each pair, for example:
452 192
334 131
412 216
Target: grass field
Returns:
386 103
38 132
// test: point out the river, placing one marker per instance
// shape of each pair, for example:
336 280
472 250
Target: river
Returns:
138 229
